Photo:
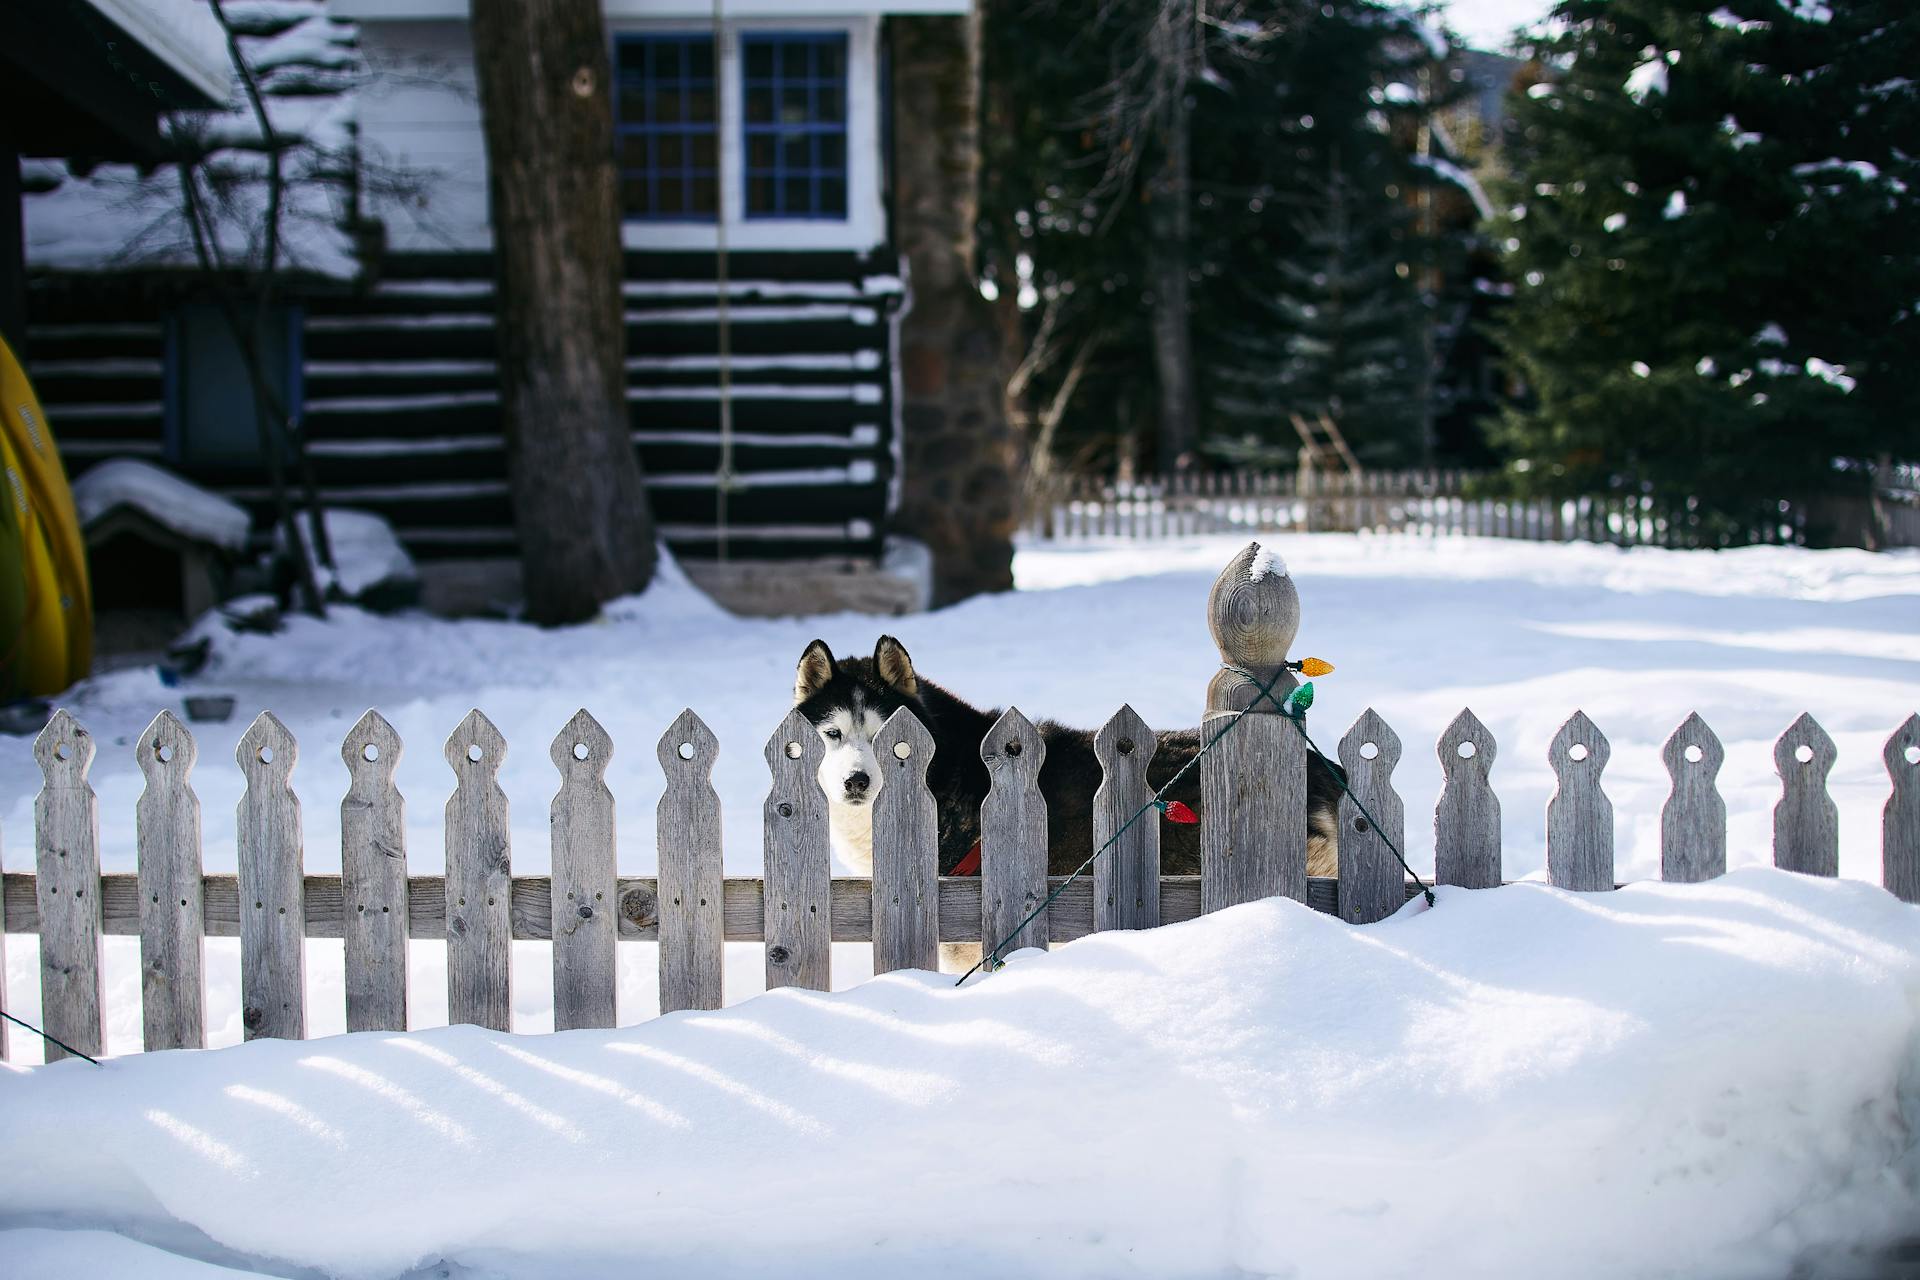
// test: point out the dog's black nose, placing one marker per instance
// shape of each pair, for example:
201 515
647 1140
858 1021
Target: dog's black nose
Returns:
857 784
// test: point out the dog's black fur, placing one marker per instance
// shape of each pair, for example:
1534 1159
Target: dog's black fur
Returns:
1069 776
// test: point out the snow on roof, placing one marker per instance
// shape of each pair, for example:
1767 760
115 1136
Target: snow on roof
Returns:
181 33
164 497
1491 1087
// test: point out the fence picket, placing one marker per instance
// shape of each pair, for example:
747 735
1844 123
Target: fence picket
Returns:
172 928
1372 885
66 819
1126 879
1013 834
1806 825
479 880
1693 822
1466 821
799 860
373 877
690 888
906 850
1579 816
1900 821
586 891
273 905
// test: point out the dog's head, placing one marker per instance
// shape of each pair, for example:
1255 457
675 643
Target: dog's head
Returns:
848 702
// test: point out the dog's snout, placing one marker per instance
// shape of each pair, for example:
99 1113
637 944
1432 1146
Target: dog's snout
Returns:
857 784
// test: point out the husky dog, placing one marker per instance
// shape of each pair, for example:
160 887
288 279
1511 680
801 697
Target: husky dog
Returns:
848 701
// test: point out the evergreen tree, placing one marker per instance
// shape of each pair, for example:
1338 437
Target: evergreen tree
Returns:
1713 249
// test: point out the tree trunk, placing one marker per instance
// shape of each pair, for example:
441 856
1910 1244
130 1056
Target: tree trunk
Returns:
1170 197
579 507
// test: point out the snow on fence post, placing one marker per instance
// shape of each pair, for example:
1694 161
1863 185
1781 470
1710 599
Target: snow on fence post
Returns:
479 880
797 900
585 892
66 819
1372 884
1900 821
172 924
906 849
1466 821
1579 816
1013 834
1126 878
1253 784
1806 825
690 888
1693 822
272 884
373 878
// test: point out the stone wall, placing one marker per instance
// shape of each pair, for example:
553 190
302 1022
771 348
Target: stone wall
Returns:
959 494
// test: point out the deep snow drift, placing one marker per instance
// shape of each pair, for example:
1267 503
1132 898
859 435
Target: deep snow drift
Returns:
1523 633
1706 1080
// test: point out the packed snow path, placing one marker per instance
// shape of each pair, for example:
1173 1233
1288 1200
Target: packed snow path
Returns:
1522 633
1698 1080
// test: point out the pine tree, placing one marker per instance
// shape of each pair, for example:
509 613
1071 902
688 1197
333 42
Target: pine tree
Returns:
1712 245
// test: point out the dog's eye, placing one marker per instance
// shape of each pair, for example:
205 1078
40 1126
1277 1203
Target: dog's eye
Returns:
833 735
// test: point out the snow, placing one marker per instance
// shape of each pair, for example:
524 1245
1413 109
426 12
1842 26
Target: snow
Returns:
1676 206
1523 633
1520 1081
163 497
1647 79
183 33
1267 561
366 552
1614 222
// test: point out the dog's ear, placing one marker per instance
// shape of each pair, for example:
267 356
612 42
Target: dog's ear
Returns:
816 669
890 660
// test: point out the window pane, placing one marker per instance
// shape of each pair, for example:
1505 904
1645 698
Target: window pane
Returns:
799 195
833 151
760 194
702 145
700 60
793 59
833 197
706 195
666 59
759 106
760 151
664 116
759 59
633 151
796 150
631 105
700 105
672 193
832 60
666 105
793 106
831 103
669 151
633 197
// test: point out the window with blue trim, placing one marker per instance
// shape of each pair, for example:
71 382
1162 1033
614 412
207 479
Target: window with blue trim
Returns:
666 127
796 124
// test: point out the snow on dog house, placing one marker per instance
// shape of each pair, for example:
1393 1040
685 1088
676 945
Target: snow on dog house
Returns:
756 152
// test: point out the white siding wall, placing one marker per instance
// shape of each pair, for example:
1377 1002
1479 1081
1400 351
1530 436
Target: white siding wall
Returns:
422 113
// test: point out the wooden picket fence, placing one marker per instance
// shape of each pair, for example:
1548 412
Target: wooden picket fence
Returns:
1253 835
1432 503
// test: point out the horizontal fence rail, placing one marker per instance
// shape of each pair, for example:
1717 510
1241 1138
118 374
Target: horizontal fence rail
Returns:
584 907
1433 503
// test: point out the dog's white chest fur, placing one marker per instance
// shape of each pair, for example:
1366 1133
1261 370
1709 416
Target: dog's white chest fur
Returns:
853 836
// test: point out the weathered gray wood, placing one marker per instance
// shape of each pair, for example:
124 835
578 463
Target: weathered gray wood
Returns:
691 891
1806 824
906 849
1466 821
585 895
1579 816
1253 784
172 931
479 880
1693 823
1372 883
1013 836
1900 821
1126 878
273 960
798 860
373 865
66 818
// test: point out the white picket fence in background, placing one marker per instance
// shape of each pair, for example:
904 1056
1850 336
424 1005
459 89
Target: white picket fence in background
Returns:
478 906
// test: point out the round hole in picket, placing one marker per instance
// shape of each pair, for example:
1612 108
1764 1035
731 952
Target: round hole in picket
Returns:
902 750
1694 754
1912 754
62 751
793 751
266 755
1125 745
1466 750
1369 751
1013 748
580 751
370 752
1803 753
163 752
474 752
686 751
1578 751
